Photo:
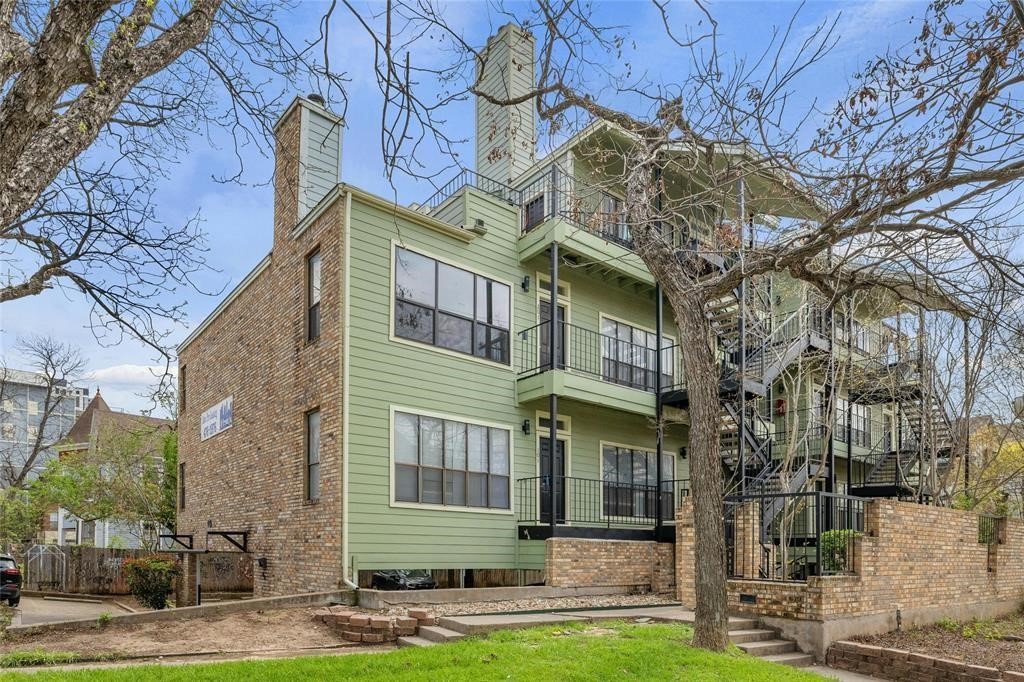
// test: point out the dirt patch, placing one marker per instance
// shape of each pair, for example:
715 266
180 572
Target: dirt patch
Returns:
979 642
288 628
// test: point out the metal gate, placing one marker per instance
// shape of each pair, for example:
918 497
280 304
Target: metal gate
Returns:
46 568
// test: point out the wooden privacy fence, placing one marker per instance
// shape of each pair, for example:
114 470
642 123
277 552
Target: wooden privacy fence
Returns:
92 570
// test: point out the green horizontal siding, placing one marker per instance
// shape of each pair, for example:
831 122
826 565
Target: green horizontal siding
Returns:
386 373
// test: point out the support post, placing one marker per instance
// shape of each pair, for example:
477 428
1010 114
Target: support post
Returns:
658 312
742 371
553 398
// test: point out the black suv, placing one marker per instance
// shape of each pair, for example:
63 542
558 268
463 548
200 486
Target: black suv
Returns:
10 580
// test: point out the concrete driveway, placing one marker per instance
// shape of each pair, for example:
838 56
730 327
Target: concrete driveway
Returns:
39 610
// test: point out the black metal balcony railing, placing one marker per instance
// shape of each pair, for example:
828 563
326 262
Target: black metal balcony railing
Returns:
468 178
557 193
596 355
594 502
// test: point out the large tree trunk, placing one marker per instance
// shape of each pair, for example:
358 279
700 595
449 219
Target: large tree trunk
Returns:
697 348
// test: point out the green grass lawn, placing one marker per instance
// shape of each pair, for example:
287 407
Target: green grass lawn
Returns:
607 651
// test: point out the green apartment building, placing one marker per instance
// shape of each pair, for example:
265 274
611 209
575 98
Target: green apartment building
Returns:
460 384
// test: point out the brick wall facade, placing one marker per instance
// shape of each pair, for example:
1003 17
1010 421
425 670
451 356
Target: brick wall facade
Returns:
919 559
576 562
252 476
894 664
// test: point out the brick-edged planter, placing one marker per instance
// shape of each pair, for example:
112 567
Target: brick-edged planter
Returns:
895 664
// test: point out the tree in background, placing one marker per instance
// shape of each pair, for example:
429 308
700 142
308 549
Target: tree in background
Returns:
61 366
121 478
98 99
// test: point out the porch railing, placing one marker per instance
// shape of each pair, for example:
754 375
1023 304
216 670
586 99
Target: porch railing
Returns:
468 178
595 502
791 536
596 355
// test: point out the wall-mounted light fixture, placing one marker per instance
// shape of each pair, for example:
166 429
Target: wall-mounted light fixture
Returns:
526 283
682 453
526 427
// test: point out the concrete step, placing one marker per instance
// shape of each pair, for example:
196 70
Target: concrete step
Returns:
767 647
414 641
739 623
755 635
436 633
795 659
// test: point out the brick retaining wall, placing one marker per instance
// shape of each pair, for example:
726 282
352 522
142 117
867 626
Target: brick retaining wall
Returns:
921 561
894 664
577 562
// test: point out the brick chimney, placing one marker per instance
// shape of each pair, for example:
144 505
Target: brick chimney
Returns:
307 160
506 136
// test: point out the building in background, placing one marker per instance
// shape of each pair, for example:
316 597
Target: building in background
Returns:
36 413
101 428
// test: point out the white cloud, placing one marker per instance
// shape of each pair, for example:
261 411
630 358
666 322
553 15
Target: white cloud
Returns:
124 376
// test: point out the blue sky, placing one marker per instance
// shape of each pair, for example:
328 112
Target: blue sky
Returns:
237 217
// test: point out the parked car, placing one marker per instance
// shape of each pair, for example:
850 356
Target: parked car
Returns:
10 580
403 580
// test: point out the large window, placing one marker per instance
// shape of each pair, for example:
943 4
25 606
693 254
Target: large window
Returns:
631 480
448 307
451 463
312 473
629 356
313 296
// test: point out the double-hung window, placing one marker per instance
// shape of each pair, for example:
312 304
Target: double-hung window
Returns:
312 472
629 356
630 478
448 307
451 463
313 296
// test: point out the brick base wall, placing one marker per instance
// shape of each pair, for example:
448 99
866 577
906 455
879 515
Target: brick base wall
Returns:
893 664
576 562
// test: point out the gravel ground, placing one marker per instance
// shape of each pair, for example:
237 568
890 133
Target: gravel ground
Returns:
974 642
518 605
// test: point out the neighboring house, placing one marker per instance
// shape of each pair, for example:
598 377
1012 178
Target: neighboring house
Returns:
99 425
386 388
24 421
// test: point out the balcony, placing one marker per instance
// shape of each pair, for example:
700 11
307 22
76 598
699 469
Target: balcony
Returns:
592 367
594 508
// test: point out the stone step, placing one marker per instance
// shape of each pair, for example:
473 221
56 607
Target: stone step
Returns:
436 633
767 647
795 659
414 641
755 635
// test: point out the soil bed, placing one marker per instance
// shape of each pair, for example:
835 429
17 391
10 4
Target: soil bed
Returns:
246 631
978 642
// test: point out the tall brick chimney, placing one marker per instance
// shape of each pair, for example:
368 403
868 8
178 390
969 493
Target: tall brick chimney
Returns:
506 136
307 159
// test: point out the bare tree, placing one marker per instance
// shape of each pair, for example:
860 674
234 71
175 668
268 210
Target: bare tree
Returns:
58 367
98 99
905 186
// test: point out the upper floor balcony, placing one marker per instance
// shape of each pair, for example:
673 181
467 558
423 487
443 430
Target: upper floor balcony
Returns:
595 367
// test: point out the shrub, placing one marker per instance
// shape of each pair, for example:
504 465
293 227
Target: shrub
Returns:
151 579
947 623
834 554
103 620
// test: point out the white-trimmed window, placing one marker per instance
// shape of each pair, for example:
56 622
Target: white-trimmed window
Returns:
312 472
451 463
448 307
313 296
630 478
